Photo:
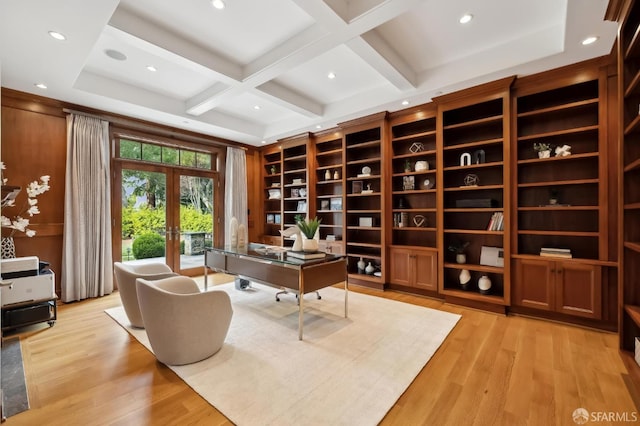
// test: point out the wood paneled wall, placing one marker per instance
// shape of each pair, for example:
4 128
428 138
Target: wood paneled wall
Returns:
34 144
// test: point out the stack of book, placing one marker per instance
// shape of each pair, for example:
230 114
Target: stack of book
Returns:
555 252
496 223
306 256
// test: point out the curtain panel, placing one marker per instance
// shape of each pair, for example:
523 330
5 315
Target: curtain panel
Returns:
86 259
235 197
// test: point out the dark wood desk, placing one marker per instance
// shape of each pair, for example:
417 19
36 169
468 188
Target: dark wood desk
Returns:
258 262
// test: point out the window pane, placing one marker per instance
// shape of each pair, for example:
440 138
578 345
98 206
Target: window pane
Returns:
169 155
130 149
151 152
187 158
203 161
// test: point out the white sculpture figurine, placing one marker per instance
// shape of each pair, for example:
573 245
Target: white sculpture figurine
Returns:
563 151
293 232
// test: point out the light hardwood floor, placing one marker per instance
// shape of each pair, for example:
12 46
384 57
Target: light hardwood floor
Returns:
491 370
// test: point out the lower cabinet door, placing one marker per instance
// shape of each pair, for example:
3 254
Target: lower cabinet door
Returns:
533 286
579 289
400 266
426 267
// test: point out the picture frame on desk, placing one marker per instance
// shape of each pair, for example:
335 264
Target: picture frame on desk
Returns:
277 218
356 187
270 218
325 205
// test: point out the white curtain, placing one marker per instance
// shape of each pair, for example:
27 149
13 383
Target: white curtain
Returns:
86 257
235 197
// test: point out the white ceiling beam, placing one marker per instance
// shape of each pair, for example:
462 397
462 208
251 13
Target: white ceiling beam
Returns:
281 95
329 32
150 32
381 57
200 103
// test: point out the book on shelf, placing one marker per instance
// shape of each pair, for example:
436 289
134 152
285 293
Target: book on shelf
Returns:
306 256
556 252
496 223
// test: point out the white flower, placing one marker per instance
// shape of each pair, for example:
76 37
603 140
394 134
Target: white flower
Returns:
30 207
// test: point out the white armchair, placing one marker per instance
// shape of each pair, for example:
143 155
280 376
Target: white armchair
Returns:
126 276
183 324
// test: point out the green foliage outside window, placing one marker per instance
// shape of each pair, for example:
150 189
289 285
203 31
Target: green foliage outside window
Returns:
148 245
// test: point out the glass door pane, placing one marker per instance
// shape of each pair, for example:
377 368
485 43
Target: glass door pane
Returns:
196 220
143 215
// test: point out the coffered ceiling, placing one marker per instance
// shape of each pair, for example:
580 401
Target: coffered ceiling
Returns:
257 70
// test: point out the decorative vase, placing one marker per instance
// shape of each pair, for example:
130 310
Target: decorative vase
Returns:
309 245
369 269
242 235
361 266
544 154
336 175
461 258
327 175
484 284
465 278
8 248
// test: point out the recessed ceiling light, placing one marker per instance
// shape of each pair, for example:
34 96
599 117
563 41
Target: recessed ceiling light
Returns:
114 54
256 107
152 68
466 18
264 142
57 35
331 75
405 102
40 85
218 4
318 126
589 40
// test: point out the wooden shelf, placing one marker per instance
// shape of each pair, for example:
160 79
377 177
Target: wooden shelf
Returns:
475 267
422 172
633 85
473 295
416 210
632 166
563 132
414 136
552 208
550 232
414 191
632 127
632 206
415 154
473 232
364 255
365 228
414 228
367 144
473 209
370 194
374 211
476 166
632 246
606 263
558 182
634 313
559 107
363 161
364 177
362 244
329 152
475 144
485 120
474 188
567 158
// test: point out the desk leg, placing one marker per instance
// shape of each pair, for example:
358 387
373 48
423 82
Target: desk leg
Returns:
346 298
300 304
205 278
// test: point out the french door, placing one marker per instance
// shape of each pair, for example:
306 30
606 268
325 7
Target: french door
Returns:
165 214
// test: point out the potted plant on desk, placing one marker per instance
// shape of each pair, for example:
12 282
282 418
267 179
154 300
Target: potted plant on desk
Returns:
309 228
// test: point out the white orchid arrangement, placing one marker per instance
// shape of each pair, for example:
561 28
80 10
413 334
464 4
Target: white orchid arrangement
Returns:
19 222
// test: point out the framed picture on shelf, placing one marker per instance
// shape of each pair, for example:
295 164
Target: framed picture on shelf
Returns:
408 183
302 206
336 204
295 192
325 205
270 218
277 218
356 187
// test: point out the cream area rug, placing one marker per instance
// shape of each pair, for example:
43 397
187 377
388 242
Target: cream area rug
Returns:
346 371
